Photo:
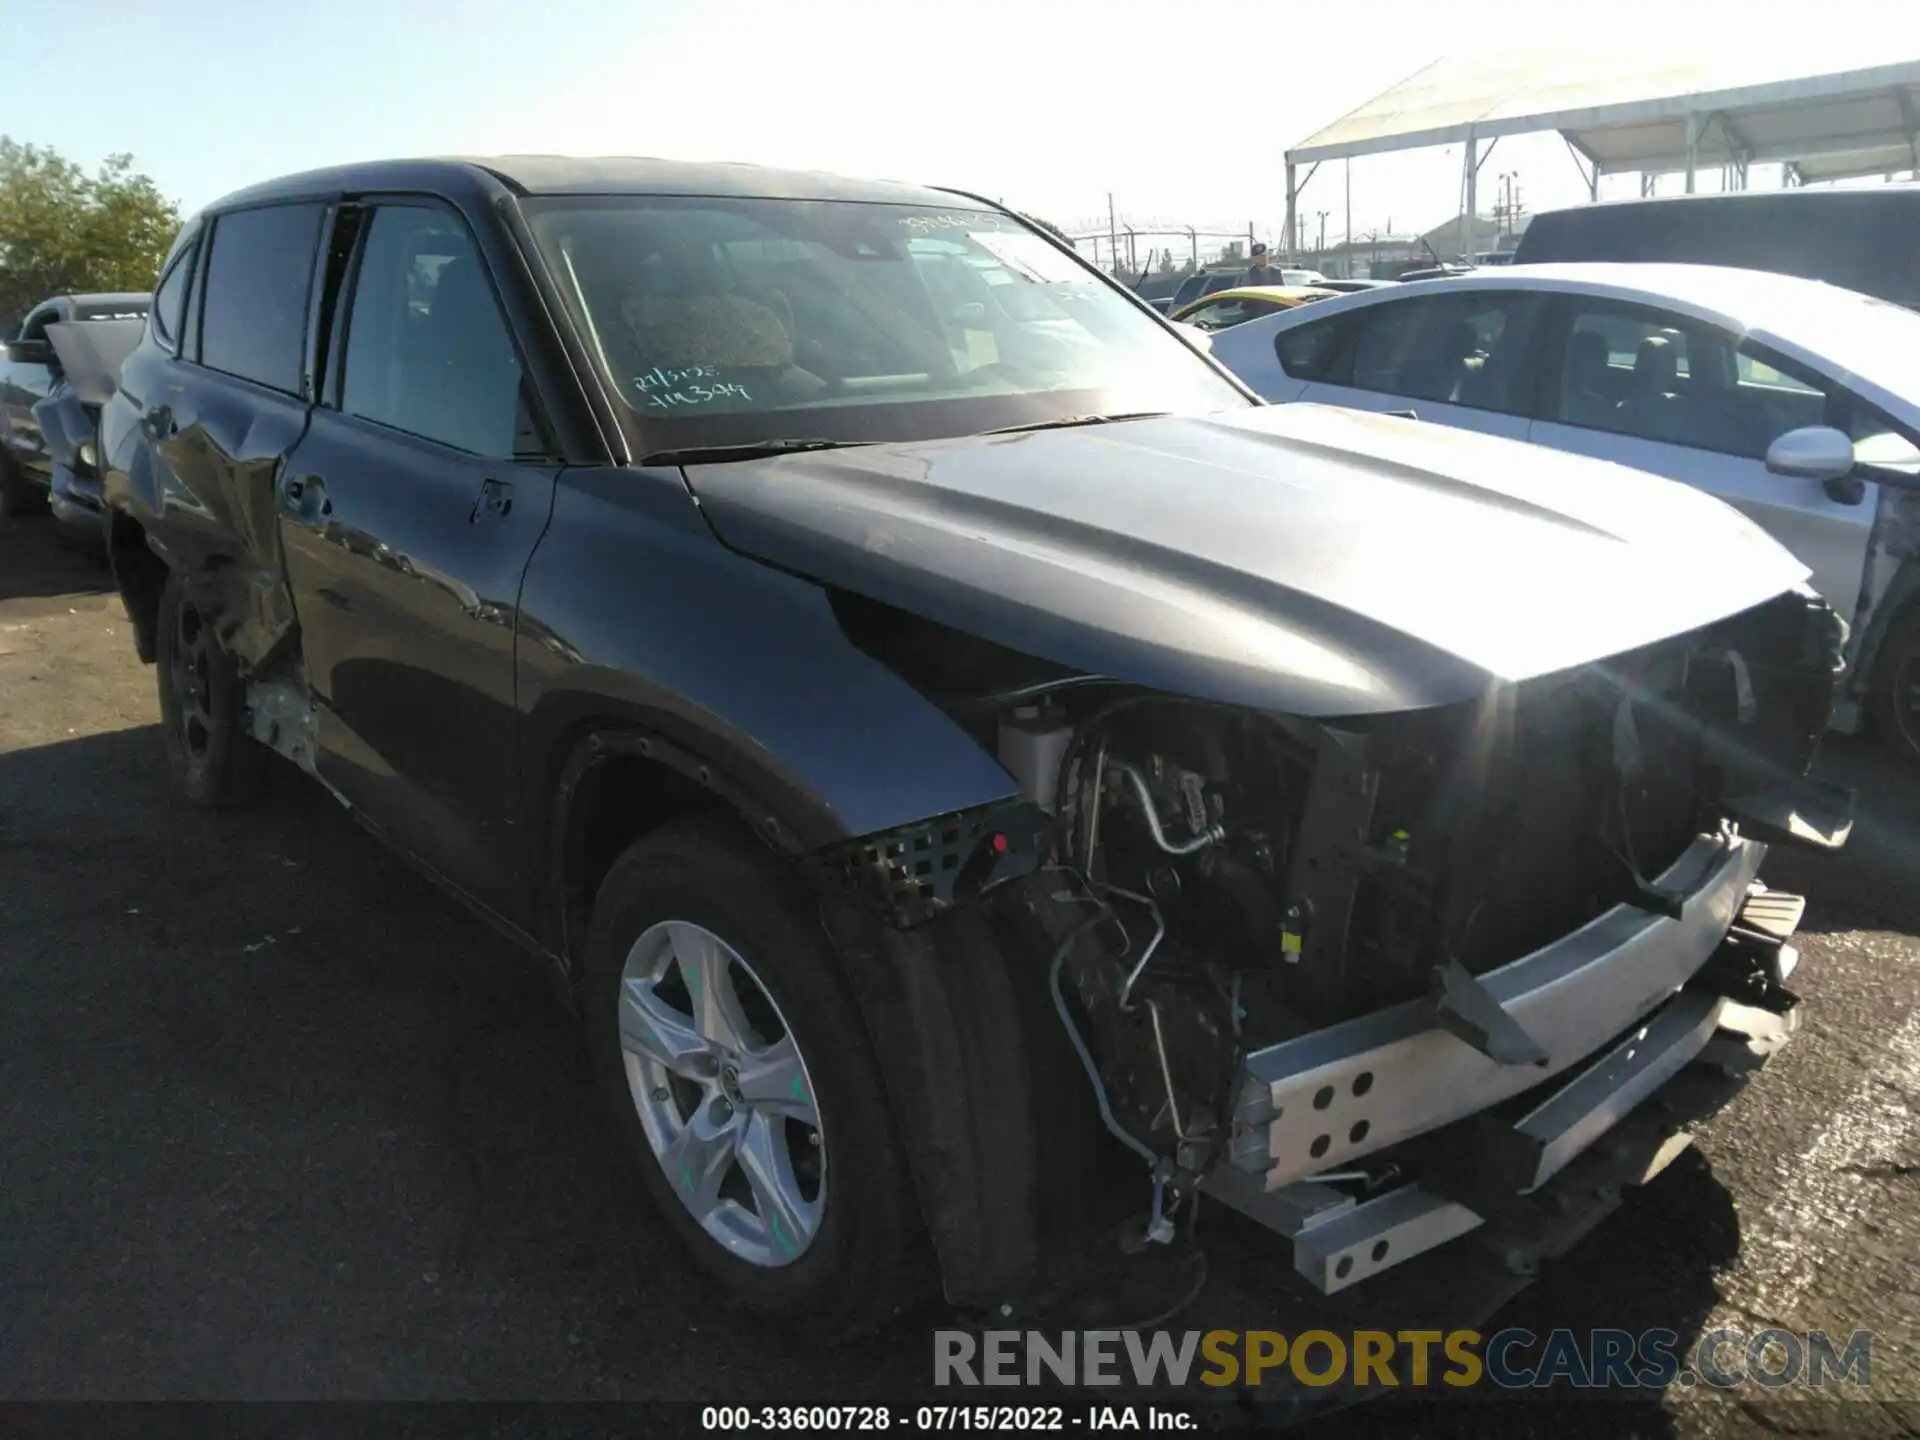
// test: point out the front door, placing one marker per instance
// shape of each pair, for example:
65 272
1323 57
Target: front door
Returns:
408 513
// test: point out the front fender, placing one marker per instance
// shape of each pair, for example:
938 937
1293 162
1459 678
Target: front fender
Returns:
631 610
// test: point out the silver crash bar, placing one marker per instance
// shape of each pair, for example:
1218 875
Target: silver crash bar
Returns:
1319 1101
1309 1105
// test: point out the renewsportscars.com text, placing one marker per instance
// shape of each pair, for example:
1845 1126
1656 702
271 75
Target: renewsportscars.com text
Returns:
1512 1359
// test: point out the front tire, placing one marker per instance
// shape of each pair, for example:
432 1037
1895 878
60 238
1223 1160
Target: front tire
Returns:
741 1082
202 703
1893 703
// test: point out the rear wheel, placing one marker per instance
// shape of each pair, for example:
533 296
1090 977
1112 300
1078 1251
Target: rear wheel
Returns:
202 703
1894 700
741 1082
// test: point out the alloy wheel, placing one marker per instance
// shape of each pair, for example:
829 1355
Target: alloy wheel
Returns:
723 1093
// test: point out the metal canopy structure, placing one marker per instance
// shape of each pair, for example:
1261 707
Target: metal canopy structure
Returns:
1828 117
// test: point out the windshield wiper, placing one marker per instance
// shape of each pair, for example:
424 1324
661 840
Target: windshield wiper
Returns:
748 450
1067 422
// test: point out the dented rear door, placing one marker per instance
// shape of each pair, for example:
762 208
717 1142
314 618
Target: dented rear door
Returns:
223 416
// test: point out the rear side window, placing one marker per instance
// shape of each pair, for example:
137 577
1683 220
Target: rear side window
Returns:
1460 349
254 321
170 300
1308 352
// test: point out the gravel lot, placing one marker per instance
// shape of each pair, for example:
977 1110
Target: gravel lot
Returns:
278 1121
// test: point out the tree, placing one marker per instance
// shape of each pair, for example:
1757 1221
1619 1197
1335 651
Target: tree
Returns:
63 231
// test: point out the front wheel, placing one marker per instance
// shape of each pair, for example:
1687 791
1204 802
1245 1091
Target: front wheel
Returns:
1893 701
741 1081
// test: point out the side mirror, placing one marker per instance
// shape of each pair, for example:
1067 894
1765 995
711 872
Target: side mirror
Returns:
29 352
1815 452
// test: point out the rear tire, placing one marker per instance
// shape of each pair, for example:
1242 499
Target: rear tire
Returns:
202 704
1893 699
847 1256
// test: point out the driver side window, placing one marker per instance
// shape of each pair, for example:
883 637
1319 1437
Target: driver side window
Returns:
1653 375
427 348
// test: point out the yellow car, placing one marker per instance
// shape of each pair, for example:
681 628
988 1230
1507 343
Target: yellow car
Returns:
1245 302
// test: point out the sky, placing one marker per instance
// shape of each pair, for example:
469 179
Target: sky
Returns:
1180 112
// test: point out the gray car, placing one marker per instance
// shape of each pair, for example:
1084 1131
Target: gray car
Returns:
985 784
55 374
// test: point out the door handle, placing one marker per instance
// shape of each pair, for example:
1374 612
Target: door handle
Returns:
495 498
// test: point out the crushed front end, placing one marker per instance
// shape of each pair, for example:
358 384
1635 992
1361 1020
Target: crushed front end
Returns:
1374 983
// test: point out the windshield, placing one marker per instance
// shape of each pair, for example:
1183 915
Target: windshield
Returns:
724 321
1873 339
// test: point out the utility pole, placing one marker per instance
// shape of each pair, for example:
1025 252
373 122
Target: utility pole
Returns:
1323 233
1349 243
1113 237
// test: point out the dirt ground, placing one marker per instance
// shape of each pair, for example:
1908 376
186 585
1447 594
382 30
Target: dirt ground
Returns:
279 1121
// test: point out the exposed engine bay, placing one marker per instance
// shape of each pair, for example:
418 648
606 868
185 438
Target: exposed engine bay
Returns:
1221 881
1293 957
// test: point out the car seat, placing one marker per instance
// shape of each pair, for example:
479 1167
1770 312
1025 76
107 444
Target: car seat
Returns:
1439 371
461 380
1654 408
1586 384
693 343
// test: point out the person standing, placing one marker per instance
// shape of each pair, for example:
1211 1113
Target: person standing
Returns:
1260 272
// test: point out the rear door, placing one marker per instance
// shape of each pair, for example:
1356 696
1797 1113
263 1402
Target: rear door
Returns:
222 414
1458 358
408 514
1664 392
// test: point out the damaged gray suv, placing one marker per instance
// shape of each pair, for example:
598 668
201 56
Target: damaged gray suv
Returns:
986 784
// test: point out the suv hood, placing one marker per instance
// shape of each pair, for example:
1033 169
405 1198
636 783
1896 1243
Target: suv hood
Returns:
1299 558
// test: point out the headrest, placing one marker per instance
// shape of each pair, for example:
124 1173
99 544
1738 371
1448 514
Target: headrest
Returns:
721 330
1588 355
1655 365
